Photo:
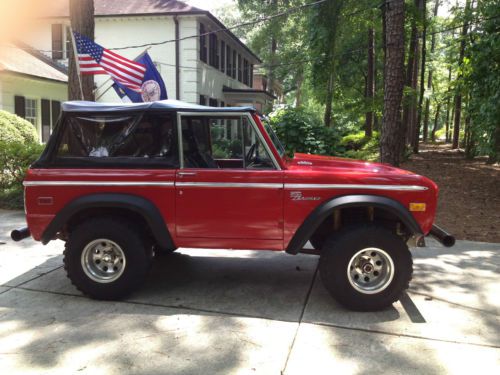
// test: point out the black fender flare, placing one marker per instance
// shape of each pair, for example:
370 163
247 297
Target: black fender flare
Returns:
137 204
320 213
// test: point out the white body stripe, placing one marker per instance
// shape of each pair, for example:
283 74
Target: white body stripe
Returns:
96 183
354 186
256 185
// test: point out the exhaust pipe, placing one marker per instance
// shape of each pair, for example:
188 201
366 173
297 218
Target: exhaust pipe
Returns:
20 234
442 236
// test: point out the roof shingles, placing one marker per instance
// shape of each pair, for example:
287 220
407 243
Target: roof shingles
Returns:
16 60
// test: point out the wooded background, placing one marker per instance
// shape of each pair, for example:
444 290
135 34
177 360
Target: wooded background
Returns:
394 67
380 76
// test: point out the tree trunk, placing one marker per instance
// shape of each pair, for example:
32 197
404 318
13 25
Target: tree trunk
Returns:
436 119
429 78
458 95
298 91
392 131
447 122
370 82
423 16
273 48
413 106
82 22
329 99
410 67
494 155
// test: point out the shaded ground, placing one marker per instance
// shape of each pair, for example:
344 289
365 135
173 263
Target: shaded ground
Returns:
469 199
246 312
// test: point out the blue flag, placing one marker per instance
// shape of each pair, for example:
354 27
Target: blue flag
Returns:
153 87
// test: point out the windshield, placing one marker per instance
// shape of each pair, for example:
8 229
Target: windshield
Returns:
274 137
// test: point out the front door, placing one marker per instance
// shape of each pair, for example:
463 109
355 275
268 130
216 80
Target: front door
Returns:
228 187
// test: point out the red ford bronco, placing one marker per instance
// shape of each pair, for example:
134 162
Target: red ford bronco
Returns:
119 182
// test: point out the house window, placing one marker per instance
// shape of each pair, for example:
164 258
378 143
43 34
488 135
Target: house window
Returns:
31 110
214 51
240 71
50 114
203 43
212 102
57 41
245 71
235 63
222 56
228 61
203 100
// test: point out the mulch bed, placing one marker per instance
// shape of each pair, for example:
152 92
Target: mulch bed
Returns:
469 191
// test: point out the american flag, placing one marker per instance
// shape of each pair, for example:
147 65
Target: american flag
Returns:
94 59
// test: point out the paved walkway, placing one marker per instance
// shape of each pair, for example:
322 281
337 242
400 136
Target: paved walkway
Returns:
244 312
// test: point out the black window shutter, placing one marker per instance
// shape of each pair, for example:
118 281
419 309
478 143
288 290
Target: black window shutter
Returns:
57 41
20 106
45 120
56 111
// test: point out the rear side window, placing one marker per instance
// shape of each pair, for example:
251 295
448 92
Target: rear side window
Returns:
145 140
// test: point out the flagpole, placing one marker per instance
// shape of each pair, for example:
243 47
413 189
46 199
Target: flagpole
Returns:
110 79
77 63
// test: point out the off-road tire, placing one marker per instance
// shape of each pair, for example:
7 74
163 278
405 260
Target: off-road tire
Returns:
341 247
137 252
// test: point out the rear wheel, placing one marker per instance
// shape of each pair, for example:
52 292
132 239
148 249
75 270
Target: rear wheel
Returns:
106 258
365 268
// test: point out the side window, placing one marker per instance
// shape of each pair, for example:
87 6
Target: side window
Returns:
256 154
222 142
113 139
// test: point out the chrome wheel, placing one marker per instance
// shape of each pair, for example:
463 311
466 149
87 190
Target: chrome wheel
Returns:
370 270
103 260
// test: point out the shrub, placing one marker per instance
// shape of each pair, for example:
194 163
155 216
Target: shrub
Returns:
302 131
16 129
358 146
15 158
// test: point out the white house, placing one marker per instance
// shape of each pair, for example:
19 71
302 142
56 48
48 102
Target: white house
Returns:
32 86
214 69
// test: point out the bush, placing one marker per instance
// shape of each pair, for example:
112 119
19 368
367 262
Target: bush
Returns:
15 158
358 141
16 129
18 149
302 131
358 146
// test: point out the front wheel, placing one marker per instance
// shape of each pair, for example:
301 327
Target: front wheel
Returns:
106 258
365 268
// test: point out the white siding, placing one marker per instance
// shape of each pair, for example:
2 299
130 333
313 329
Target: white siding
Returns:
196 77
12 85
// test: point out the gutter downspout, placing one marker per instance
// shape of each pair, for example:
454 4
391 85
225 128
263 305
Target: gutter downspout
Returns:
177 69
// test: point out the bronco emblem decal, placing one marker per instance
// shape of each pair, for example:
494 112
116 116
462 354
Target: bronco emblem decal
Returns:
297 196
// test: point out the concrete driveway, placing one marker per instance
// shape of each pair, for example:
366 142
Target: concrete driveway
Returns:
243 312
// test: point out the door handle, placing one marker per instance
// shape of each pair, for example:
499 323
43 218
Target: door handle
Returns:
186 173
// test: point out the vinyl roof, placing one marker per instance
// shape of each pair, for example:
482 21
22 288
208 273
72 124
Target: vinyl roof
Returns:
83 106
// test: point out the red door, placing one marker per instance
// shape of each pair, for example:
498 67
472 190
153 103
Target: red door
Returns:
229 204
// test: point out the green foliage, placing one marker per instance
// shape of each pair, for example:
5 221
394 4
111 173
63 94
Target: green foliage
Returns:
482 81
15 129
303 131
358 146
18 149
12 198
15 158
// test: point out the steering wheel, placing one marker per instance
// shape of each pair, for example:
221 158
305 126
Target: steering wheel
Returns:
249 155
